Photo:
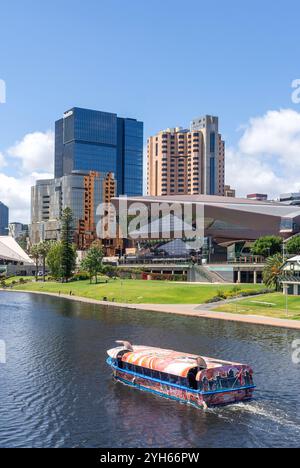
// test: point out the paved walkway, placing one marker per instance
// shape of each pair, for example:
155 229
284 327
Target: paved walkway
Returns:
192 310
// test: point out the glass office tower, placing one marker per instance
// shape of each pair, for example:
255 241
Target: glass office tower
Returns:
88 140
4 214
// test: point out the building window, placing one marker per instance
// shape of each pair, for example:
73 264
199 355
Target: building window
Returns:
212 142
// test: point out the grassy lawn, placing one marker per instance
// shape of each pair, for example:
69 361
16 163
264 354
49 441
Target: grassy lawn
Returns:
8 281
136 291
269 305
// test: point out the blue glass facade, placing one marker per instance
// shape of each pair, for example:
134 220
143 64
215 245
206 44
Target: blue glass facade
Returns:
4 214
130 157
90 140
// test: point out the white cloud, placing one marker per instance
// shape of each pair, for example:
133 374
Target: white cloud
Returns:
267 157
16 194
36 152
2 160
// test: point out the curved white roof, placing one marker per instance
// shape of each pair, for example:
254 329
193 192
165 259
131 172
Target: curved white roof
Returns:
10 250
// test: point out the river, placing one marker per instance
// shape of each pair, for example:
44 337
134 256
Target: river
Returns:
57 391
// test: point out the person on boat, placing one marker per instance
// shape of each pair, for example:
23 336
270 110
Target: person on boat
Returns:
205 384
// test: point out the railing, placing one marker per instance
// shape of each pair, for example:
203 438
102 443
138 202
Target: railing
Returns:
157 261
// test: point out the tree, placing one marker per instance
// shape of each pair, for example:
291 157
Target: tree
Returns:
44 249
35 254
267 246
272 271
93 261
293 245
54 260
68 252
110 271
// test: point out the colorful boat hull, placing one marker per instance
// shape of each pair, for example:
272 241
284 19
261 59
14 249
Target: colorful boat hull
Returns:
197 398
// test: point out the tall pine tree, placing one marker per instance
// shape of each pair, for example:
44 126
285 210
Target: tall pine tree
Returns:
68 253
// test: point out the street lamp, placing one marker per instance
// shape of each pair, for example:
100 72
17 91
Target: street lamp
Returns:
286 292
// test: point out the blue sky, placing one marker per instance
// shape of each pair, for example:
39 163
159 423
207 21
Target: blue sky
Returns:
164 62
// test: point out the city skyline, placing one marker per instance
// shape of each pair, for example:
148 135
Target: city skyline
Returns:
137 68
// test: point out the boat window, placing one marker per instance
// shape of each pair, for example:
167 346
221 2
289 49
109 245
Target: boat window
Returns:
173 379
233 380
120 364
184 382
192 383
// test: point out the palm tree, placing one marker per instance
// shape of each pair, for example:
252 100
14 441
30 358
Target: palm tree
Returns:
272 271
44 249
35 254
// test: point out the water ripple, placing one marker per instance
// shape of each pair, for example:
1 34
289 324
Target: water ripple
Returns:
56 390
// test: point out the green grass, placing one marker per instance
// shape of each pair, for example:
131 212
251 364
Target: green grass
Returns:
269 305
136 291
8 281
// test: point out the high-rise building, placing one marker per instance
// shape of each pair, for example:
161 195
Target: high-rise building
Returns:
187 161
18 230
229 191
4 215
83 192
89 140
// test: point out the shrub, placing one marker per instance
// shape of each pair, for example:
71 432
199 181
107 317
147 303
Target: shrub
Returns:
81 276
221 294
214 299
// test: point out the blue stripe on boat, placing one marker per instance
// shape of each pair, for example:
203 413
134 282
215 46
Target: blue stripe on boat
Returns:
110 363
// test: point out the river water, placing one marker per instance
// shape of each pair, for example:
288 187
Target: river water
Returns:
57 391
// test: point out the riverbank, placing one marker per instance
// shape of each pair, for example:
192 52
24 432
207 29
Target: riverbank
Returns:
139 292
191 310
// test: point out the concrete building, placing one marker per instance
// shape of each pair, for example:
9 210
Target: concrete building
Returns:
258 196
230 226
229 191
231 219
17 230
4 215
290 199
82 192
187 161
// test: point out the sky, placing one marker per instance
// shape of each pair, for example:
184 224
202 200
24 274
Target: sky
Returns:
162 62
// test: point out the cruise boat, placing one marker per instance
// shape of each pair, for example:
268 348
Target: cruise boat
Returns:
196 380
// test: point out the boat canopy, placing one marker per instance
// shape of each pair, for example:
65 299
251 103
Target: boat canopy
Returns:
161 360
